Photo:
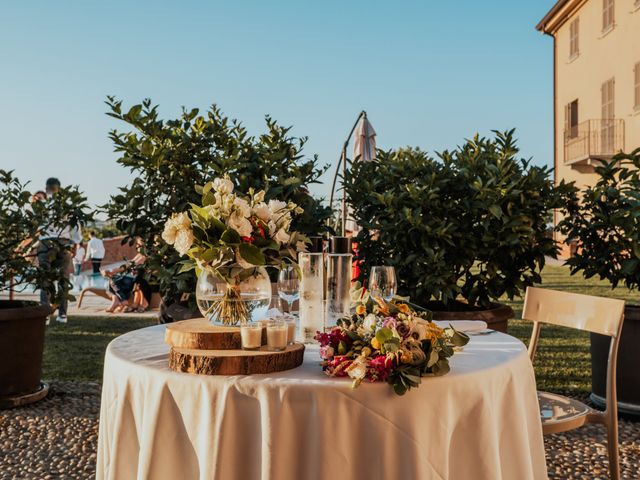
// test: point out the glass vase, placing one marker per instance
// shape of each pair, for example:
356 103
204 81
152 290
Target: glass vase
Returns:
232 302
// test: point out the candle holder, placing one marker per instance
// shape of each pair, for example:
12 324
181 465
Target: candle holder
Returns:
251 336
277 335
291 329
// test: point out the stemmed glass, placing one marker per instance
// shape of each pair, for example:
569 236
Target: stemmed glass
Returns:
382 283
289 285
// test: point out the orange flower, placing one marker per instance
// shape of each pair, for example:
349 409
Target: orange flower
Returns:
404 308
375 343
361 309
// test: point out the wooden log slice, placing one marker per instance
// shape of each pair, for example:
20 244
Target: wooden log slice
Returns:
199 334
235 362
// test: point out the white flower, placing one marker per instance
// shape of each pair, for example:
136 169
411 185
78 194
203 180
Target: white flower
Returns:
242 206
240 224
259 197
223 185
358 368
183 220
261 210
284 221
177 222
281 236
184 240
277 207
369 322
226 202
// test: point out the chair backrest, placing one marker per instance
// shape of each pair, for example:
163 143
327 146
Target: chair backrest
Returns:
583 312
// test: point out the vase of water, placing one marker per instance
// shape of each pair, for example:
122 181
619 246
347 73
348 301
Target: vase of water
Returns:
230 298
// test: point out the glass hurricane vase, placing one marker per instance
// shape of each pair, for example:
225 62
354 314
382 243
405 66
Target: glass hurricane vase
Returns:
244 298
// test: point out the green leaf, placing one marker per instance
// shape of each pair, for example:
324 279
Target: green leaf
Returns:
230 237
459 339
186 267
433 357
496 211
251 254
384 334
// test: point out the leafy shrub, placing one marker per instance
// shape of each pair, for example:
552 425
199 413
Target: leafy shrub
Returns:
471 225
21 221
170 158
606 223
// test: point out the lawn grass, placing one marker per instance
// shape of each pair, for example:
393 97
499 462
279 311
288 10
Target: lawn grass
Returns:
75 351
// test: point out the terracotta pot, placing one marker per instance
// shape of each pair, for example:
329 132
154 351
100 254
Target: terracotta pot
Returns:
496 317
628 375
22 327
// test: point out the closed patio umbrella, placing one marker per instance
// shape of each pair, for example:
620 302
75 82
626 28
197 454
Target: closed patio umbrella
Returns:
364 150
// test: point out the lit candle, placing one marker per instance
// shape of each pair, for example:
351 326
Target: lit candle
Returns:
277 335
251 336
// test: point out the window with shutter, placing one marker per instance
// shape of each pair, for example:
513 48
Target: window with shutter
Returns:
608 114
574 32
608 14
571 120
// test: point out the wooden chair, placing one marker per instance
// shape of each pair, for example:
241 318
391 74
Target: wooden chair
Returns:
100 292
582 312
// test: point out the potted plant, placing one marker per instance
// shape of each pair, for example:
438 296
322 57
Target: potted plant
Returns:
169 157
22 323
461 231
605 224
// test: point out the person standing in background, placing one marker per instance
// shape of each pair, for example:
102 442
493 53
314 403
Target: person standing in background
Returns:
53 251
95 251
78 259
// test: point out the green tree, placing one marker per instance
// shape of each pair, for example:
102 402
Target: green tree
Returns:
169 158
606 223
471 225
22 219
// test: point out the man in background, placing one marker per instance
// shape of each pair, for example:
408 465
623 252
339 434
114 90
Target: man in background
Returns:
95 252
54 252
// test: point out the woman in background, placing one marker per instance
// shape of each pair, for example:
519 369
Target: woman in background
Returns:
78 259
128 288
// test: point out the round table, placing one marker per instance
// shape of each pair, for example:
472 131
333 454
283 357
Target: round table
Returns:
480 421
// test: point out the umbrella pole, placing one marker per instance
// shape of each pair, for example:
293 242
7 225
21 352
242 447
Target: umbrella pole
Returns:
343 162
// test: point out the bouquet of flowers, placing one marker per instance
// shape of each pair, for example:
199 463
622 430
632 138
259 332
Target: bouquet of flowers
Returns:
388 342
231 236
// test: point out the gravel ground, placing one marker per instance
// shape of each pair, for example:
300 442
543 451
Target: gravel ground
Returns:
57 438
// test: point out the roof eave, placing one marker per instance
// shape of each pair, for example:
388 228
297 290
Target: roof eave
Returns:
556 16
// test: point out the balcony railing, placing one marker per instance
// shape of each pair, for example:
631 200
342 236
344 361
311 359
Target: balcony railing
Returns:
593 139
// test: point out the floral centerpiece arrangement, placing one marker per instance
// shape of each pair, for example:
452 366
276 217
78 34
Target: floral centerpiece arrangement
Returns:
388 342
229 239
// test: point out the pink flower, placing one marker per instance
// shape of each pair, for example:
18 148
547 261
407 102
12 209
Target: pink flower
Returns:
379 369
326 352
389 322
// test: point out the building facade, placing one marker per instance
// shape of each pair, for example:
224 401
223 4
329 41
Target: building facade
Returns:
596 83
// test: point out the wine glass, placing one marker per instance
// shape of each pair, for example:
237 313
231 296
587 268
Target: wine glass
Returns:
382 283
289 285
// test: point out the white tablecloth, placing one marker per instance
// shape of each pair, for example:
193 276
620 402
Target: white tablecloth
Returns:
479 422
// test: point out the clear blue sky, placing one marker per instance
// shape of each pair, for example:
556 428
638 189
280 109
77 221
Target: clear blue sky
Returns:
428 73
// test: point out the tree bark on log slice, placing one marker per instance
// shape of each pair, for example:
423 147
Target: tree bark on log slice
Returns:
199 334
235 362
